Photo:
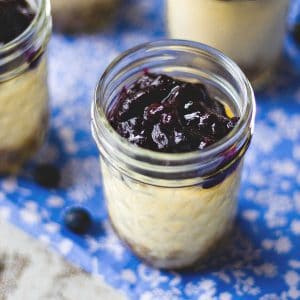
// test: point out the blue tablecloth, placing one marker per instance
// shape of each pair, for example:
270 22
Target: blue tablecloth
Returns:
263 261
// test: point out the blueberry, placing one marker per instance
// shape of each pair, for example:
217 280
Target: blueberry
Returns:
47 175
296 33
78 220
152 112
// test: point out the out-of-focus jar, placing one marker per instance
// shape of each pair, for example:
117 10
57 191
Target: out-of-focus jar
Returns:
24 91
78 15
250 32
172 209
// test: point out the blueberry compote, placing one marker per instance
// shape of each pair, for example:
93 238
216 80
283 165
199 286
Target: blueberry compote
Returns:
164 114
15 17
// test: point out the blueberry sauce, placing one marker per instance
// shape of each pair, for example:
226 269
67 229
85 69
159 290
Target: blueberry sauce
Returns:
15 17
164 114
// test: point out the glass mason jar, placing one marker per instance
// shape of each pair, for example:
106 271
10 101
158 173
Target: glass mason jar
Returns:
77 15
251 32
23 90
173 209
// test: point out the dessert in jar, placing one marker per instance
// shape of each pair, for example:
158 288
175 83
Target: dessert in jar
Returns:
77 15
172 120
251 32
25 28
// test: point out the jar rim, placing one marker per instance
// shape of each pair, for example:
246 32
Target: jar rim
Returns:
99 115
43 5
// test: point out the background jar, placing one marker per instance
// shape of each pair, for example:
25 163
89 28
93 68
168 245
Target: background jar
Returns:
79 15
172 209
24 91
251 32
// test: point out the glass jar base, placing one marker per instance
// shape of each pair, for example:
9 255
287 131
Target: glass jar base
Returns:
174 262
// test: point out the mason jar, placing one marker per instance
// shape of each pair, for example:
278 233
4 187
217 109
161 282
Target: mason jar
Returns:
78 15
173 209
251 32
24 91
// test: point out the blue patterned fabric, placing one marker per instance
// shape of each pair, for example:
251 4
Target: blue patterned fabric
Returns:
263 261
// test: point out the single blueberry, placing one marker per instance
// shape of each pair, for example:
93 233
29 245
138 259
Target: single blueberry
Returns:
296 33
47 175
152 112
78 220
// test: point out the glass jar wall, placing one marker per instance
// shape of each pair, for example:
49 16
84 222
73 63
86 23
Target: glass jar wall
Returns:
250 32
23 89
